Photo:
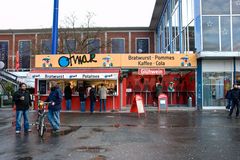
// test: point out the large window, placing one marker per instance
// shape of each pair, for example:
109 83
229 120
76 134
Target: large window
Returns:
118 46
215 87
69 46
24 49
210 27
4 52
236 33
213 7
142 45
225 34
93 46
236 6
46 45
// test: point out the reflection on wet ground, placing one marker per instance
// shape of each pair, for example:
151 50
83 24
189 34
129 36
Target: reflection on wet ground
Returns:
168 136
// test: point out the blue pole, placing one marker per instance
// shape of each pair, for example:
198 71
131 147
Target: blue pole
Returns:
55 27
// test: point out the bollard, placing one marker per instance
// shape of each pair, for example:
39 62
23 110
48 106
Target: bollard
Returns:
189 101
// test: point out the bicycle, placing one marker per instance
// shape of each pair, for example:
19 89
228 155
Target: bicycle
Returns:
40 122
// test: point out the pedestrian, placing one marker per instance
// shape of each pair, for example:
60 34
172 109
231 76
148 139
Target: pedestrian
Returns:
68 96
82 97
158 92
93 98
22 101
229 100
102 92
235 95
54 107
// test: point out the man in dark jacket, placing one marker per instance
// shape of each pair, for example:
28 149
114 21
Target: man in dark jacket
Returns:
68 96
55 99
22 101
235 95
82 97
229 100
93 98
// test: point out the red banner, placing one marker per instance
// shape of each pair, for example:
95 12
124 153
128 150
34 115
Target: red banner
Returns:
151 71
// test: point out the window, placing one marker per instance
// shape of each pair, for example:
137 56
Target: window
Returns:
4 53
24 49
118 46
142 45
69 46
210 27
215 87
225 34
46 45
213 7
236 6
93 46
236 33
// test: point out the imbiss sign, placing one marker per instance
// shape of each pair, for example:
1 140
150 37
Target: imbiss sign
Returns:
151 71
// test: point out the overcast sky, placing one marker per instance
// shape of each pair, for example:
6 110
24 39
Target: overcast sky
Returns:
26 14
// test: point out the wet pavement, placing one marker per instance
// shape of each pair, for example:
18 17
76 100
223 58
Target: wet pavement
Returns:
176 135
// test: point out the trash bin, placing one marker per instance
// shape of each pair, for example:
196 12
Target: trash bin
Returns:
189 101
162 102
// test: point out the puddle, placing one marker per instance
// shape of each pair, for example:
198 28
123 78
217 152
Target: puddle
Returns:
117 125
99 157
25 158
84 137
95 149
97 130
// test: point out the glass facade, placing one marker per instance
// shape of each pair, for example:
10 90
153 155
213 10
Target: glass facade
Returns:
176 27
210 33
220 25
215 87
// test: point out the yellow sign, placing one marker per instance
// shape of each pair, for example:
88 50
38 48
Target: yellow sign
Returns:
116 60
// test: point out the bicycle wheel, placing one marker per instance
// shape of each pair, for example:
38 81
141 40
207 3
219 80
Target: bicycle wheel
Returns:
41 127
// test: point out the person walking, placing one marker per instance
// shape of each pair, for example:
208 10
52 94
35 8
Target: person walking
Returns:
68 96
235 95
103 97
82 97
54 107
93 98
229 100
22 101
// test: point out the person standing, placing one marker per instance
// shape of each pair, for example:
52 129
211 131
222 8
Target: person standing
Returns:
54 107
68 96
22 101
229 100
93 98
235 95
82 97
103 97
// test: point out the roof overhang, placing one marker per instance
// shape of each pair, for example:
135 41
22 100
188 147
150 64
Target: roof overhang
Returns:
157 12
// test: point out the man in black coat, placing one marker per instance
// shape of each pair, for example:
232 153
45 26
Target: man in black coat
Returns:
22 101
235 95
68 96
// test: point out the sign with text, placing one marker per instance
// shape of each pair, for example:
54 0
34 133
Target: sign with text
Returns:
116 60
151 71
113 76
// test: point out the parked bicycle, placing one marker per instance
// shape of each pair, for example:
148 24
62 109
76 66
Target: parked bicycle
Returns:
40 123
